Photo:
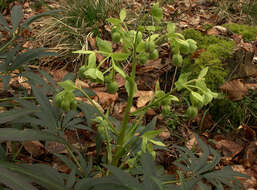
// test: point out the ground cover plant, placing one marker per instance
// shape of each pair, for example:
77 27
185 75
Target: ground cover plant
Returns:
248 32
68 31
126 149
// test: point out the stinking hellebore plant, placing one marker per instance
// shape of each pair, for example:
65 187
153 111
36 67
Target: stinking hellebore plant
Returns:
138 47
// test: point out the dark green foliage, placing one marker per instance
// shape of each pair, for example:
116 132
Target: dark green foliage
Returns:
249 33
202 169
11 57
87 13
4 4
234 114
216 51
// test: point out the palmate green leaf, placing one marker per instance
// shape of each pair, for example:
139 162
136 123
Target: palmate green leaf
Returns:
197 164
150 28
183 78
120 56
105 183
36 79
14 180
114 21
119 70
11 134
49 78
151 134
4 23
14 114
67 85
225 176
48 113
171 27
153 37
16 16
104 45
30 55
148 165
122 15
43 175
92 60
94 73
203 186
85 166
158 143
197 96
156 12
71 179
89 112
124 178
203 73
150 180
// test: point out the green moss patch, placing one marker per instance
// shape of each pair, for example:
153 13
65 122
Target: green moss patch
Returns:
249 33
216 52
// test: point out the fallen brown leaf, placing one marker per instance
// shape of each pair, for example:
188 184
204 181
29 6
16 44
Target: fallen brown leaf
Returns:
143 97
55 147
35 148
229 148
251 154
105 99
235 89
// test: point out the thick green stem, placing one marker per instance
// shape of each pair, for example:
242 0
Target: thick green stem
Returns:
131 80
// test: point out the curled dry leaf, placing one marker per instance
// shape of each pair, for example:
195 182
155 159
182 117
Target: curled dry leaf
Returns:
58 74
55 147
248 132
229 148
218 30
235 89
92 41
251 154
144 97
35 148
105 99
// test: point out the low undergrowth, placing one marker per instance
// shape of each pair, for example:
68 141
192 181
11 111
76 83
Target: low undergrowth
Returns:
215 52
127 148
249 33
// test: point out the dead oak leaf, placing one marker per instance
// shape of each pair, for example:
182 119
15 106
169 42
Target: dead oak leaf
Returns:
144 97
229 148
105 99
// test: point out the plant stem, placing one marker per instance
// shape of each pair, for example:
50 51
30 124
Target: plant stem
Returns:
73 157
8 43
131 80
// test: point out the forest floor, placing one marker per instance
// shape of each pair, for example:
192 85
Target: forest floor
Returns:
237 144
